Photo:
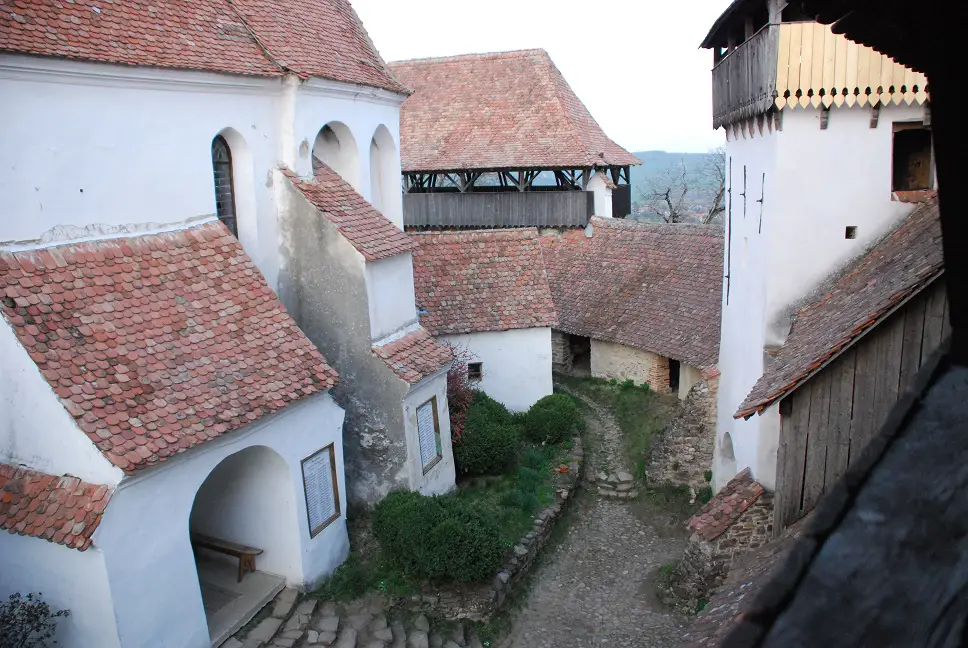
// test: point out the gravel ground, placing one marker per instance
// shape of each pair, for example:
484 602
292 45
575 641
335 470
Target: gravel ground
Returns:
596 587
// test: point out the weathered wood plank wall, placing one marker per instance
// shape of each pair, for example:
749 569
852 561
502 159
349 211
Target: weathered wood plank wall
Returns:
744 82
828 422
504 209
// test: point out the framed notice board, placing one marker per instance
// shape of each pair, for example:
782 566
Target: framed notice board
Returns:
321 488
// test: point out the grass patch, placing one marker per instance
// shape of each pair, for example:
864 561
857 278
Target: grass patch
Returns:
641 414
516 497
673 499
359 575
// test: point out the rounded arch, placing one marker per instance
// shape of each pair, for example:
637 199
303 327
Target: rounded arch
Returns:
239 192
336 147
248 498
727 459
385 191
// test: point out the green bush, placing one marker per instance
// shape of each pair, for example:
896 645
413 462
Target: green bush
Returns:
490 442
552 419
438 538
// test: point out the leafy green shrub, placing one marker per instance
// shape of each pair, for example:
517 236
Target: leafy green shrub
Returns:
490 442
708 475
552 419
490 449
438 538
704 494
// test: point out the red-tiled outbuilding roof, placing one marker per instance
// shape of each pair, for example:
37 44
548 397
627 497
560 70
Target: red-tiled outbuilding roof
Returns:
158 343
500 110
322 38
655 287
64 509
899 266
471 282
726 507
369 231
414 356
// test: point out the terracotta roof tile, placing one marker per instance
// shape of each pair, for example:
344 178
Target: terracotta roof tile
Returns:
369 231
499 110
656 287
414 356
725 508
322 38
64 509
319 38
902 263
491 280
158 343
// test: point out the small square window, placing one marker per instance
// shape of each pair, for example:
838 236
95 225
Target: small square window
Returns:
912 157
850 232
475 371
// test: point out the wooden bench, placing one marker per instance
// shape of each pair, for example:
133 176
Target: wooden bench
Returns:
244 553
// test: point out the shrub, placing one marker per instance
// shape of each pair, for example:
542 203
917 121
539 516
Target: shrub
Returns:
552 419
28 622
459 392
490 441
438 538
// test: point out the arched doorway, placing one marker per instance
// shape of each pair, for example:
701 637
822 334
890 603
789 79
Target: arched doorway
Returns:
246 503
385 189
336 147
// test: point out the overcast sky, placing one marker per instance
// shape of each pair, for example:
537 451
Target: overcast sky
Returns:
635 63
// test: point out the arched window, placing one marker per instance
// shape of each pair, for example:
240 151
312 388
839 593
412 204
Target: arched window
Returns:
224 187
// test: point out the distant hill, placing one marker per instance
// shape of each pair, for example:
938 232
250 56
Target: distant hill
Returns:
657 165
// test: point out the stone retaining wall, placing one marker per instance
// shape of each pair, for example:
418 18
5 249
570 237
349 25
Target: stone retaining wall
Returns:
480 602
685 451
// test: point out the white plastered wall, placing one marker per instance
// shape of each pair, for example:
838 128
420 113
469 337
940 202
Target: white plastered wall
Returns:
389 288
35 429
516 364
603 195
440 477
145 530
817 182
69 580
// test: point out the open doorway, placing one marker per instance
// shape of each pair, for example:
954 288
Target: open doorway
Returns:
245 537
580 351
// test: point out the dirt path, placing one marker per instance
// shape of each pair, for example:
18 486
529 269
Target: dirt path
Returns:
596 587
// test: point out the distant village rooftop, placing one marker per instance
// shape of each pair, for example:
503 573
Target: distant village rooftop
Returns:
497 111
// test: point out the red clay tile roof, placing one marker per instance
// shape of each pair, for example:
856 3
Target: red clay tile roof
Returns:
369 231
487 111
322 38
415 356
470 282
899 266
650 286
738 495
64 509
158 343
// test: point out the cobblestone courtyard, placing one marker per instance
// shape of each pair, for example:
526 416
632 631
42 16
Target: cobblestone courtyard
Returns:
595 588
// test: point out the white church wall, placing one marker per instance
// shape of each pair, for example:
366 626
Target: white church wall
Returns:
516 364
35 429
440 477
145 530
389 291
817 182
69 580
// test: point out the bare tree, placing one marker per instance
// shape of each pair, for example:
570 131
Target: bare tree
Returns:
673 194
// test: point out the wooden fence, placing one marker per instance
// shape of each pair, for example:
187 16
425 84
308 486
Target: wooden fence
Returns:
744 82
498 209
829 421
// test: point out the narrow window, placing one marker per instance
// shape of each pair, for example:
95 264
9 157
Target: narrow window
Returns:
428 433
912 157
850 232
475 371
224 187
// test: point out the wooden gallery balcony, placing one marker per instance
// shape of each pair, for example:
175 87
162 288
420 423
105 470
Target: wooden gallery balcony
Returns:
497 209
805 64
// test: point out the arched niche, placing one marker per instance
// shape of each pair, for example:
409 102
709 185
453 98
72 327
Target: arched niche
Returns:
336 147
385 190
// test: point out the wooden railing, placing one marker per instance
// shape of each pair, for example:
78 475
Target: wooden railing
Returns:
498 209
744 81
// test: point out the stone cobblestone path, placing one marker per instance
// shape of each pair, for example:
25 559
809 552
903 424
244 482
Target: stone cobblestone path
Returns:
596 586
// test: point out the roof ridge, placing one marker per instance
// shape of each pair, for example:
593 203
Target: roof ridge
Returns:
471 56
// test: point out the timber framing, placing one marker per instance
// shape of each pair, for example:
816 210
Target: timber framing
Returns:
504 179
